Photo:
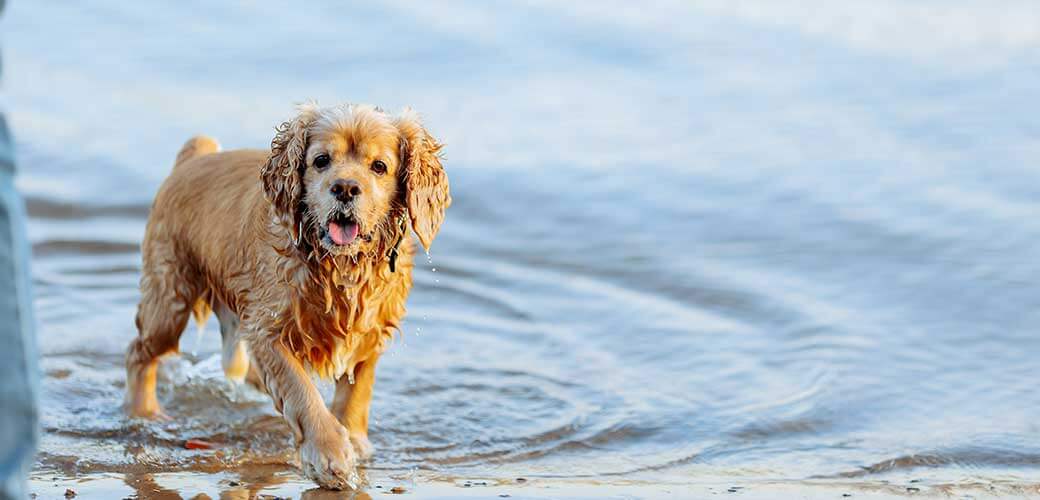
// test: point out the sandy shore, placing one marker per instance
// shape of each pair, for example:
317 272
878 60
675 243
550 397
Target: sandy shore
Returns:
281 483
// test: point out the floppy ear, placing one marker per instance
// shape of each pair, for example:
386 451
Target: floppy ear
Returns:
425 183
282 174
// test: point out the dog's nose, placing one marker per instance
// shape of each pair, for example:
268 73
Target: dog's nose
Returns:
345 190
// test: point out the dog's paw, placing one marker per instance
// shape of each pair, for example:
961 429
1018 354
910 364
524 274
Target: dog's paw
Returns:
154 415
362 446
329 459
144 408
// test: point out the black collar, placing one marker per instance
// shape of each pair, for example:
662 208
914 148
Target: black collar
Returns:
391 255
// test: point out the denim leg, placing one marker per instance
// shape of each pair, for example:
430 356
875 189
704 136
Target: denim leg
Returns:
19 377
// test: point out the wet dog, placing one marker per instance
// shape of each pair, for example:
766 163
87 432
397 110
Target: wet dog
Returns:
304 253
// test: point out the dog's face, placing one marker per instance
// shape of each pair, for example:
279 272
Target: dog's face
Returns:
344 176
350 179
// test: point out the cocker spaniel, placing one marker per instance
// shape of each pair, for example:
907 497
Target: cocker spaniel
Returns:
304 254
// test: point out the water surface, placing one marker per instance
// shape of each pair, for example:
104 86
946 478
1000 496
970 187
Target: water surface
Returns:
692 244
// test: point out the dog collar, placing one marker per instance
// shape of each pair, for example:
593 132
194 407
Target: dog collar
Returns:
391 255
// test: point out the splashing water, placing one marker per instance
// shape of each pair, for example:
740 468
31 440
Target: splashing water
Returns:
200 329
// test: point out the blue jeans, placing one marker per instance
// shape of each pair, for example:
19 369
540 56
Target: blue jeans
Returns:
19 378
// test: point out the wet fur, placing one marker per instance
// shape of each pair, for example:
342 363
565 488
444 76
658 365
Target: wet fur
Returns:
239 233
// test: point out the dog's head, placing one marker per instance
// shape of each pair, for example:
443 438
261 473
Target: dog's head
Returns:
342 179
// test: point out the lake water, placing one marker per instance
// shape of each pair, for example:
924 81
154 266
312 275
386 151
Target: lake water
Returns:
694 245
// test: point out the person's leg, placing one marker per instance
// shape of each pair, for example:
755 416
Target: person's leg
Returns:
19 381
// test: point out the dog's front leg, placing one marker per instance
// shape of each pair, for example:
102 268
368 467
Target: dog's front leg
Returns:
352 401
326 455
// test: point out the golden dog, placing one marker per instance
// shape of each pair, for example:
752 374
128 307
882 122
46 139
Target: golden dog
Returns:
304 254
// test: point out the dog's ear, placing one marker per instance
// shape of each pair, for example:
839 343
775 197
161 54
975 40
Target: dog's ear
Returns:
282 174
425 183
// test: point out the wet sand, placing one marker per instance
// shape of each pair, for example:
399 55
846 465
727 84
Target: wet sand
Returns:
279 483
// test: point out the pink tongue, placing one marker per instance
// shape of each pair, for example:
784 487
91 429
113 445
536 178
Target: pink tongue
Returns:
342 235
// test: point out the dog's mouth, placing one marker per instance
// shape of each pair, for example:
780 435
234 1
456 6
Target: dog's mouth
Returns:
342 230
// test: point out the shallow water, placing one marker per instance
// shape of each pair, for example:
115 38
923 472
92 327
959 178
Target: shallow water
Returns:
787 242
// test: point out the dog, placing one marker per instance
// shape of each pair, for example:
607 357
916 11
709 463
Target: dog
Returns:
304 254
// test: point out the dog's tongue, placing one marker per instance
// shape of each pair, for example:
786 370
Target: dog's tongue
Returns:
343 234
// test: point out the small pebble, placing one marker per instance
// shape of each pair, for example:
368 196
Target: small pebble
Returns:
70 493
198 444
234 483
912 489
521 480
504 495
397 490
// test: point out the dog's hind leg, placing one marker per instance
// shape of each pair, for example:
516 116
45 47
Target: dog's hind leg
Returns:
169 290
233 356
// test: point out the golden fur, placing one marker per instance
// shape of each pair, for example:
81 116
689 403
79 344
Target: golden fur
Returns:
247 234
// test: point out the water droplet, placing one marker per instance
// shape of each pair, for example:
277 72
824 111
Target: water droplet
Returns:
434 269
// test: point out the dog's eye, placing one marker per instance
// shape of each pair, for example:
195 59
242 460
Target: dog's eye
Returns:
379 167
321 161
